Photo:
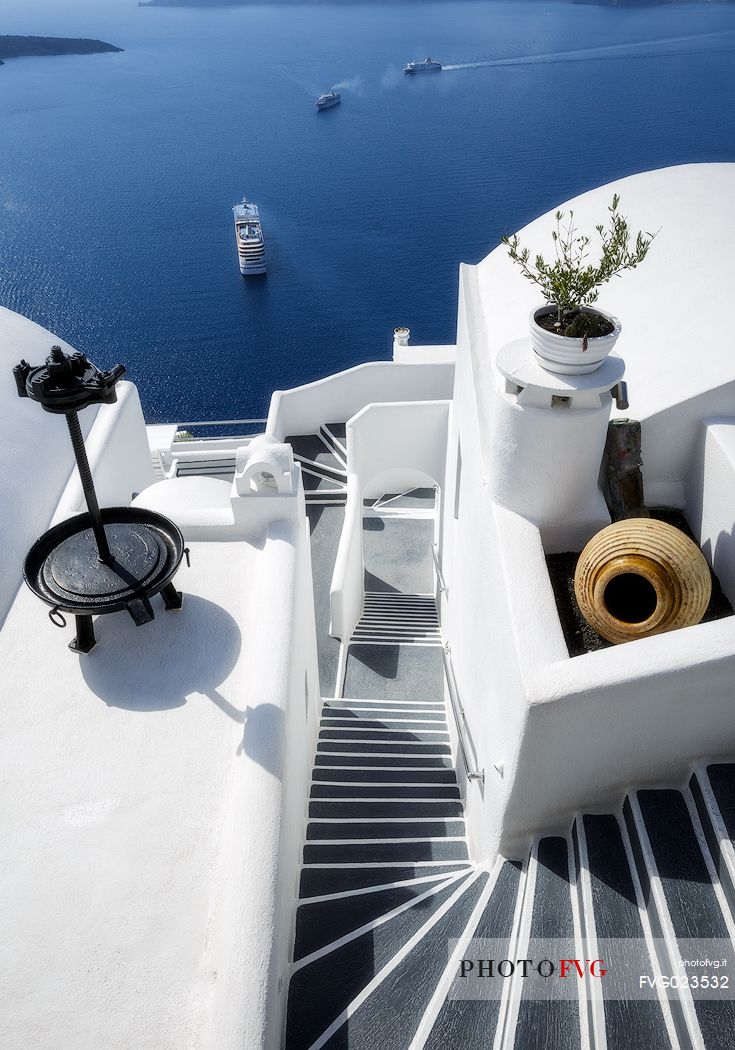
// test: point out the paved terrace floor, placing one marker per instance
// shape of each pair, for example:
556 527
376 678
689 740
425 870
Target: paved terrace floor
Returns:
119 775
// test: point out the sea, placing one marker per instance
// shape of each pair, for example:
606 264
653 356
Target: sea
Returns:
118 172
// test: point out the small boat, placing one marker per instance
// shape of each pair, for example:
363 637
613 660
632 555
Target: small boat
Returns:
427 66
328 99
250 240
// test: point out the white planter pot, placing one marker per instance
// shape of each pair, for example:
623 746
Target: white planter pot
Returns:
565 354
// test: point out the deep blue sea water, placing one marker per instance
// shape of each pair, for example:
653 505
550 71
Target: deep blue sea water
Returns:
118 172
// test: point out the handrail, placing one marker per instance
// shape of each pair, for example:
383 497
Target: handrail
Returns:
220 422
460 719
437 566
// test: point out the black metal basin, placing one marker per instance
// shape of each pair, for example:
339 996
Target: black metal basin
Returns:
64 568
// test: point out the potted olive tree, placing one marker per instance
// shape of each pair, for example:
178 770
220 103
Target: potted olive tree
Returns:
568 334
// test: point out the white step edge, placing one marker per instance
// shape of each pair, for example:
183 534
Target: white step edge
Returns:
593 993
397 801
397 641
686 1023
512 988
450 971
514 942
582 1009
382 820
722 845
385 841
368 729
382 783
648 936
358 865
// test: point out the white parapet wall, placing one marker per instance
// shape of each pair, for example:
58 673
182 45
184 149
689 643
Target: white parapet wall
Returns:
347 589
710 502
118 453
338 397
154 790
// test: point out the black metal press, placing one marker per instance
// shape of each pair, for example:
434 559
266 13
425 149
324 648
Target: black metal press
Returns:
107 559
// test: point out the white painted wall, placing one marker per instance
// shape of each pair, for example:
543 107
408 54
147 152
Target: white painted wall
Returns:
423 355
710 503
474 614
396 444
340 396
636 714
347 589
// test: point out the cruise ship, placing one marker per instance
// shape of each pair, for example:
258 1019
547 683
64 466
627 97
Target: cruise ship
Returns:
362 778
249 236
328 99
427 66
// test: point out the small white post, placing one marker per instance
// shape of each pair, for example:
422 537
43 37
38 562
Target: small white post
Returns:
401 336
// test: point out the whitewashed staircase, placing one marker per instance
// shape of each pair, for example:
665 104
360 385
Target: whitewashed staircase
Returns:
323 459
386 886
393 617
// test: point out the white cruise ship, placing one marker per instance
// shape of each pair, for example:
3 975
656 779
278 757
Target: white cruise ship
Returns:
427 66
369 787
328 99
249 236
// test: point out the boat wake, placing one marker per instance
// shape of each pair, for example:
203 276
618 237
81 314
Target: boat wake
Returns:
636 49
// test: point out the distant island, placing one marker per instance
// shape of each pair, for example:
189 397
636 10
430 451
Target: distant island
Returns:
33 46
241 3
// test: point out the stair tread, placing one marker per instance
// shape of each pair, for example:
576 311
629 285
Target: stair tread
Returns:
616 916
722 778
551 1021
316 881
471 1023
381 852
690 898
345 810
384 761
400 792
406 777
370 829
681 866
390 1016
320 990
322 923
378 747
313 447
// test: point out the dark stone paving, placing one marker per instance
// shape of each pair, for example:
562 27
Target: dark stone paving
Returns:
397 553
406 672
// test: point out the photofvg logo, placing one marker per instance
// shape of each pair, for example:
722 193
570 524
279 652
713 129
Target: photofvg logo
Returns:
626 969
545 968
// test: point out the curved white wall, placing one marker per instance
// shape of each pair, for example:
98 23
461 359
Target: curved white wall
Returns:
340 396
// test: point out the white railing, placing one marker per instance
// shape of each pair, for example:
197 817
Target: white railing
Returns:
220 423
464 736
437 566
